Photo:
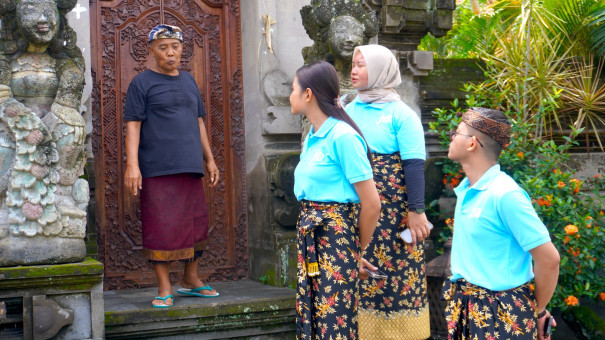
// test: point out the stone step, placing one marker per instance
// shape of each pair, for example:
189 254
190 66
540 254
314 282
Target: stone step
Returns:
244 310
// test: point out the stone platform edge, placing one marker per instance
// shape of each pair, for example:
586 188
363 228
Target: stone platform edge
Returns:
79 276
209 321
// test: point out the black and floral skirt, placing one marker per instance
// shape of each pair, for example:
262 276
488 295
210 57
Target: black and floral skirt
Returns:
395 307
474 312
327 292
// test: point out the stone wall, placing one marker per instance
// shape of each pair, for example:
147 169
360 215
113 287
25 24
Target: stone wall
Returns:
439 89
79 19
272 133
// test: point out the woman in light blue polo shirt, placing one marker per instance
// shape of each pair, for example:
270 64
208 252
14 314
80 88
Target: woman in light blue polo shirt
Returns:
395 307
333 177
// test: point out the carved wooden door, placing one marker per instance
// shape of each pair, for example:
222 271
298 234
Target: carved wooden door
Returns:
212 53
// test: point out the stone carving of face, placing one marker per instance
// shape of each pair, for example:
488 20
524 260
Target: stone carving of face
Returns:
39 20
344 35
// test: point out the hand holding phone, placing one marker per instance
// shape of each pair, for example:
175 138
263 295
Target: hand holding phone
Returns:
406 235
548 326
376 274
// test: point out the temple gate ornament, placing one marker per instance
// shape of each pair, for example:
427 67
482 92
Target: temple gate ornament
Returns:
404 23
337 27
43 200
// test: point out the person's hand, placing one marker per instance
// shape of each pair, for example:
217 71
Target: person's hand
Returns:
363 274
419 226
133 181
541 322
212 171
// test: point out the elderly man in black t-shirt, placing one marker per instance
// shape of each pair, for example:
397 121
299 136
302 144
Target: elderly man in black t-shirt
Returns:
167 148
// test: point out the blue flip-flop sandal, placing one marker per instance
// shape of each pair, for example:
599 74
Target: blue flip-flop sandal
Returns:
163 299
196 291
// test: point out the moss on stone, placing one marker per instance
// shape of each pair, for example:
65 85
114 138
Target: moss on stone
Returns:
591 325
75 275
88 266
268 276
221 313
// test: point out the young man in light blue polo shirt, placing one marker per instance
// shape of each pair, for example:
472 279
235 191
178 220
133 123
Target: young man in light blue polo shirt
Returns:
497 233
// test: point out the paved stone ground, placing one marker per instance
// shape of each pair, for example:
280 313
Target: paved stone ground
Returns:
244 310
242 292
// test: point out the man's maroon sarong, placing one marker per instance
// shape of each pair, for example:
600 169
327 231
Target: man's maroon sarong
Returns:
174 217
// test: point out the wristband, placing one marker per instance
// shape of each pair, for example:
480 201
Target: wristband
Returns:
542 313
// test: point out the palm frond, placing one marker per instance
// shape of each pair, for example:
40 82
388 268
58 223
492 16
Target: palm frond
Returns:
584 96
596 24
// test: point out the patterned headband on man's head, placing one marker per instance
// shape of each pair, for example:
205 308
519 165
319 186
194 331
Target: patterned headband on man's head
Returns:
165 32
499 131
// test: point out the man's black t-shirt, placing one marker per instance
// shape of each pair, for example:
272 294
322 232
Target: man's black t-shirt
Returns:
168 108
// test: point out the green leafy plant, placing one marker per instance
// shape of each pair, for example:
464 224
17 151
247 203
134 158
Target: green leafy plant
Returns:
536 60
584 96
579 25
470 32
597 24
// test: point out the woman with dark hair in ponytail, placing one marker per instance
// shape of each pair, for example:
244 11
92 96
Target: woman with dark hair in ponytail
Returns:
333 177
395 307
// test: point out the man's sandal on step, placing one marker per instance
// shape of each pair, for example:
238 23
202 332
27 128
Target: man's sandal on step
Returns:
165 305
197 291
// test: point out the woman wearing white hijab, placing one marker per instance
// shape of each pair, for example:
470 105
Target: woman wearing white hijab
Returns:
395 307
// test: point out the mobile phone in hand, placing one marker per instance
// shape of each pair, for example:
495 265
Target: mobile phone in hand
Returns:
406 235
548 326
376 274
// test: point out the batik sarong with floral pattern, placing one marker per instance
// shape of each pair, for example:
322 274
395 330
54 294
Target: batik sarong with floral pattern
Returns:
474 312
327 292
395 307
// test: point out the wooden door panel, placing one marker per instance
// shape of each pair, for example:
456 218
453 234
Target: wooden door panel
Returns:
212 53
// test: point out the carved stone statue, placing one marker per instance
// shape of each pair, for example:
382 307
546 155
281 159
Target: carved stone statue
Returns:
344 35
42 199
337 27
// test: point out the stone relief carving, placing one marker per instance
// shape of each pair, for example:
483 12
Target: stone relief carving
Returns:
404 23
42 145
278 120
49 317
285 206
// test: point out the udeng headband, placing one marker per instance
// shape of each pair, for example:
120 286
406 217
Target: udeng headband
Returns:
165 32
499 131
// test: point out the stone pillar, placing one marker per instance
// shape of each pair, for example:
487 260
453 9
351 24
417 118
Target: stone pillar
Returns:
272 33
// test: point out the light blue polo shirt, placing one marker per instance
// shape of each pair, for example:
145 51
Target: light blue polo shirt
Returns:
495 226
389 127
332 159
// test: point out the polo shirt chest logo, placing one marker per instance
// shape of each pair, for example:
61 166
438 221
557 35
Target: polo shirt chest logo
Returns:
475 213
318 157
384 120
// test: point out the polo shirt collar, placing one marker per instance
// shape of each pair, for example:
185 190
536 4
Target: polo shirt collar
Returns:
488 177
357 100
325 128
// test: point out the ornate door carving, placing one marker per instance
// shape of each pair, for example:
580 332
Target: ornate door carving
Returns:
212 53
